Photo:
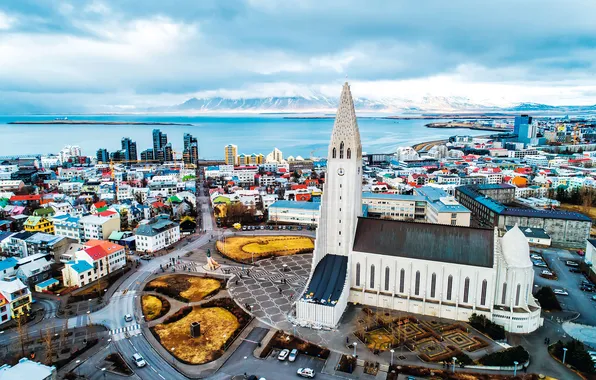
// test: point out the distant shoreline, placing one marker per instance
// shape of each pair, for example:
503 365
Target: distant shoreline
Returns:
417 117
475 126
91 122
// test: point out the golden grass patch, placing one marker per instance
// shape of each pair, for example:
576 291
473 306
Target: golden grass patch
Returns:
217 326
245 248
151 307
188 288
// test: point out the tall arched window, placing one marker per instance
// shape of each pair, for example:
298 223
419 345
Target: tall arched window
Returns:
483 293
449 287
341 150
504 295
466 289
334 154
372 276
402 280
386 276
527 292
349 153
417 283
433 284
358 274
517 294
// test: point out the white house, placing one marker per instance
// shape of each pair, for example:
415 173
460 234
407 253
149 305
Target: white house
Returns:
97 259
304 213
157 235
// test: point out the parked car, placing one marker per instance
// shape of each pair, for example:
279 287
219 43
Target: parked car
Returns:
561 292
128 318
540 264
139 361
570 263
536 256
146 257
584 288
283 354
581 252
293 355
243 228
262 227
546 272
574 270
593 298
306 372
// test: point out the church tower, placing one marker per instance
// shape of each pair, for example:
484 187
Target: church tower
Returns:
341 203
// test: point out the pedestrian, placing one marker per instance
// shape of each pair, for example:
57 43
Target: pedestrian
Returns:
279 290
236 282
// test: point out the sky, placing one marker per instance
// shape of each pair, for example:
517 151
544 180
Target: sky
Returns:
96 56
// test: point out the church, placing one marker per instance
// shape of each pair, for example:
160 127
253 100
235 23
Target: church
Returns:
421 268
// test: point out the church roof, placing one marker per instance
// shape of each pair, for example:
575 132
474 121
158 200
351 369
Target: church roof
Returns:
345 127
328 280
515 248
424 241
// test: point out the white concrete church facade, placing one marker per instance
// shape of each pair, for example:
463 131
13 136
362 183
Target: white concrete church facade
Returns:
430 269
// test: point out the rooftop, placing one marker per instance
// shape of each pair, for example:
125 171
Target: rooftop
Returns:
296 205
80 266
26 369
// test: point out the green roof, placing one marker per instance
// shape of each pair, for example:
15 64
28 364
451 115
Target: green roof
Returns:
116 235
44 211
221 199
174 199
102 209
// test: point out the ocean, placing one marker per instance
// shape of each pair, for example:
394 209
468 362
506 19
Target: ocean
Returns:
252 134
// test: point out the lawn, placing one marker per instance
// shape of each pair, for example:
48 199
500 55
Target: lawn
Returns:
245 248
217 327
379 339
154 307
185 288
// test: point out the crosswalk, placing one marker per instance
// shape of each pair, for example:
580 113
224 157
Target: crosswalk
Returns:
119 330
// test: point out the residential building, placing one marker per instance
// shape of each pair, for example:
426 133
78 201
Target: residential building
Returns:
67 225
28 369
8 267
39 224
535 236
103 155
98 227
34 269
97 259
158 234
53 245
291 212
231 154
525 130
11 185
16 297
17 245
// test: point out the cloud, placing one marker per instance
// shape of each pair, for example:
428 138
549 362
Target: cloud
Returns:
496 51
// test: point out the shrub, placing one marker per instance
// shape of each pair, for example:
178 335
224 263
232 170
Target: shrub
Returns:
547 299
506 357
577 355
481 323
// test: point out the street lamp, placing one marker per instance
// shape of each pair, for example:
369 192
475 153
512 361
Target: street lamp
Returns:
564 354
392 351
77 367
454 360
224 337
173 357
355 344
515 363
103 370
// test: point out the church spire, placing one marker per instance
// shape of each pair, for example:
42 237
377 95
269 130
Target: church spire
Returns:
345 136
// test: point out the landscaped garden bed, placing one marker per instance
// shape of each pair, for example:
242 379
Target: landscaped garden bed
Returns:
245 249
184 287
221 321
118 365
154 307
281 340
347 364
447 373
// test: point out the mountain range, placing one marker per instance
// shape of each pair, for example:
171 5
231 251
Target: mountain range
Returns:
301 104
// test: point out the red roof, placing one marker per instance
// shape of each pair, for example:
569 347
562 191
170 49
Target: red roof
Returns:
96 252
17 198
100 204
99 249
107 213
158 204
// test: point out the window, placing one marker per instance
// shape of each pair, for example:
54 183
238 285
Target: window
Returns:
334 153
386 274
449 287
517 293
341 150
358 274
504 295
483 293
402 280
372 276
349 154
417 283
466 289
433 284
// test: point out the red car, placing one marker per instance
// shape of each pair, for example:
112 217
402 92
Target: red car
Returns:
581 253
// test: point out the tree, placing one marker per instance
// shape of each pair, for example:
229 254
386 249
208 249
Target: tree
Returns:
47 342
21 331
576 355
547 299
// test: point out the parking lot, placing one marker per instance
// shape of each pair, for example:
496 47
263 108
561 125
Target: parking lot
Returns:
577 301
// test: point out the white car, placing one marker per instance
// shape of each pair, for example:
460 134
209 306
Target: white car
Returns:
306 372
535 256
128 318
139 361
570 263
547 272
561 292
293 355
283 354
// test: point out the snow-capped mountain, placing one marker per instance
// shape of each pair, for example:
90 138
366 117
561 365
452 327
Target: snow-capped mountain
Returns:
320 103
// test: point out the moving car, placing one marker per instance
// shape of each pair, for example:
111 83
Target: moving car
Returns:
283 354
293 355
146 257
561 292
139 361
306 372
128 318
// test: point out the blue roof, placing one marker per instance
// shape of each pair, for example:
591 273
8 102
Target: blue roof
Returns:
296 205
80 267
48 282
434 195
8 263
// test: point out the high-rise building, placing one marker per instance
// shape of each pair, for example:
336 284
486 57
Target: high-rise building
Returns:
159 142
130 149
525 130
147 155
103 155
117 156
191 149
231 154
275 156
167 153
